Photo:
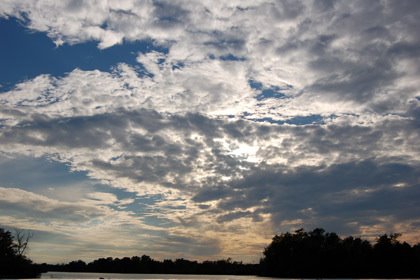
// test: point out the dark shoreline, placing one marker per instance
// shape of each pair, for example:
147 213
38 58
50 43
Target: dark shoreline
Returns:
315 254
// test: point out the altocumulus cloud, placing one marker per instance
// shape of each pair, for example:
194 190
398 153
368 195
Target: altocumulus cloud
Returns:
242 120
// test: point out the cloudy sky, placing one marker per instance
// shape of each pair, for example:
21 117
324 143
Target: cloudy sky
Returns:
199 129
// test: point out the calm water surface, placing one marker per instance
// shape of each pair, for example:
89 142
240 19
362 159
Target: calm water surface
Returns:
77 275
117 276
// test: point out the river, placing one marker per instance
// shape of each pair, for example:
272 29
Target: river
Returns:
116 276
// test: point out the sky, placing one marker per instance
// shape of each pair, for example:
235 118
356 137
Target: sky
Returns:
199 129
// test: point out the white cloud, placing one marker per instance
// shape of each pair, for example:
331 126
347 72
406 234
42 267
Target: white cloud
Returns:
308 45
44 208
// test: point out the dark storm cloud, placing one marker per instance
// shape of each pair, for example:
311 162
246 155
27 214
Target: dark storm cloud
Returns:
324 5
169 15
226 42
358 82
146 168
233 216
94 131
286 10
210 194
358 191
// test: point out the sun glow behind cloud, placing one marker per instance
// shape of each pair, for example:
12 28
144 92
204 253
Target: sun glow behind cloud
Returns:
202 128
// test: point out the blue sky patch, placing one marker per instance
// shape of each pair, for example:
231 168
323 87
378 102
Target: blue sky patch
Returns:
272 92
299 120
37 173
302 120
231 57
25 54
266 92
227 57
255 85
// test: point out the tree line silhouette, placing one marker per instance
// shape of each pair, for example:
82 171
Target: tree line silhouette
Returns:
320 254
146 264
301 254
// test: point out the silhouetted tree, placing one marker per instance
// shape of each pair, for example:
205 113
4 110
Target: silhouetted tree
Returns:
317 254
21 242
13 262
